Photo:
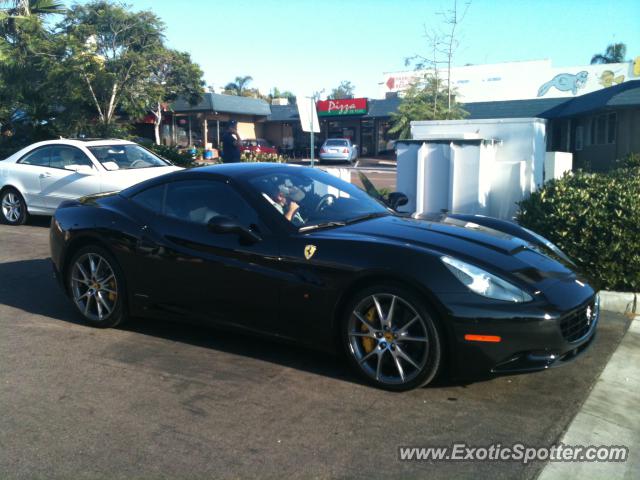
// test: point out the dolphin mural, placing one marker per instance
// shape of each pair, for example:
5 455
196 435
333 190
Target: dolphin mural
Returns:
565 82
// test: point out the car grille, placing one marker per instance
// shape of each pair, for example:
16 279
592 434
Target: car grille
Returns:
577 324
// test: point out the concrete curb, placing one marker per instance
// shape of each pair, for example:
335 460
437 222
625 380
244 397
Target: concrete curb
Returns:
621 302
608 417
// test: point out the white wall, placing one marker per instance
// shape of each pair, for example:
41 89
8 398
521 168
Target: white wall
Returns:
522 80
487 176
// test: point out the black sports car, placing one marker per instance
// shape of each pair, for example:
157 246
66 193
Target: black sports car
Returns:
299 254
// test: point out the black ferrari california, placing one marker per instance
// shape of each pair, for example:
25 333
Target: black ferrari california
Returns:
298 254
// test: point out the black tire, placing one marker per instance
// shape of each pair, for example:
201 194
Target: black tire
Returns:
427 355
10 196
118 312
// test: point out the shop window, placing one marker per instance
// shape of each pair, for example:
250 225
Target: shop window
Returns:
556 138
579 137
611 127
601 129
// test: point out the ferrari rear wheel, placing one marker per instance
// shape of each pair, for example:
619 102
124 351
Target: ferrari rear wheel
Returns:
391 338
13 207
96 286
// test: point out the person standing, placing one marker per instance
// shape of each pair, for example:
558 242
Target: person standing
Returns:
231 143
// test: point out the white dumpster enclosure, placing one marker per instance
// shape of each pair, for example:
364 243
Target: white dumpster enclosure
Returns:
471 166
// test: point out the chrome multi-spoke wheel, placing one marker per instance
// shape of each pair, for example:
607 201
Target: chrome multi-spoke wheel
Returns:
392 340
94 285
13 207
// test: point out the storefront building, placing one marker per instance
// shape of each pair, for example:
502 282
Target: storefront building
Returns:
204 123
366 122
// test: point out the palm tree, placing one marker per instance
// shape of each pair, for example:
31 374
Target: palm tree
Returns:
615 53
26 8
13 11
239 86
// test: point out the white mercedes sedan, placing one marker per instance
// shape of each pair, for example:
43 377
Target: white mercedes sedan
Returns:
39 177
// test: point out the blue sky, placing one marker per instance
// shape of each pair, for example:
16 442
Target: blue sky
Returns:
306 45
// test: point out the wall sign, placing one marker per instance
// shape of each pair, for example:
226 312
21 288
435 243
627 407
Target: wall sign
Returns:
350 106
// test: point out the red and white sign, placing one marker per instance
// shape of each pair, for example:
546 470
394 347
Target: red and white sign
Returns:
347 106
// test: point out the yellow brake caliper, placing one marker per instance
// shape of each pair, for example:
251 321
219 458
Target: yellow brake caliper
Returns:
112 286
368 343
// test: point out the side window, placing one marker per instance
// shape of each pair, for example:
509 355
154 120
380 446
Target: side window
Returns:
63 156
151 198
38 157
199 201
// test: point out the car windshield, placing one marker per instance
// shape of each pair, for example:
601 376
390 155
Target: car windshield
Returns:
126 157
311 198
337 143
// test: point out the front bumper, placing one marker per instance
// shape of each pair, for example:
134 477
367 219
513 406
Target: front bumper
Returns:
530 340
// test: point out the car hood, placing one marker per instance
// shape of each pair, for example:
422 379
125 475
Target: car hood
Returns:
485 247
121 179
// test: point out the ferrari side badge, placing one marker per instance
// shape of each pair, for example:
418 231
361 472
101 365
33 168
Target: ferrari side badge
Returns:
309 251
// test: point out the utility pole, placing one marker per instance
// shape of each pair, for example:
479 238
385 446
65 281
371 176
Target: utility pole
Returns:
313 145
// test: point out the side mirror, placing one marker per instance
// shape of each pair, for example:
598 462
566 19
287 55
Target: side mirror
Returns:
83 169
222 225
397 199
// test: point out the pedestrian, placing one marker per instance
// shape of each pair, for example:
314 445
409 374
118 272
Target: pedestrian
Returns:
231 143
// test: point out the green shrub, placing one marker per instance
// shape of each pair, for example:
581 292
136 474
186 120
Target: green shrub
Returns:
595 219
248 156
173 154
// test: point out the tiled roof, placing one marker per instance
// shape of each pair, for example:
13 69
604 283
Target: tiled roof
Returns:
383 107
626 94
215 102
377 108
283 113
623 95
538 107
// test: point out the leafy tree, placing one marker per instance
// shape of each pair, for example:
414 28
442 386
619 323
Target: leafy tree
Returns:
277 93
238 86
173 75
425 99
344 90
615 53
27 104
109 54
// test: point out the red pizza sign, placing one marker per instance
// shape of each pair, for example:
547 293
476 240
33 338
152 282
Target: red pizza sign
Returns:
348 106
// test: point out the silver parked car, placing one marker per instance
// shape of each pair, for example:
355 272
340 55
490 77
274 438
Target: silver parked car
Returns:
339 150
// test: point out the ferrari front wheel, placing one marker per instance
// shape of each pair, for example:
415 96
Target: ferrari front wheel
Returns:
391 339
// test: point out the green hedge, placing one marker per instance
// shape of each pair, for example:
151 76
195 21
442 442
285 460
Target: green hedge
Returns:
248 156
177 157
595 219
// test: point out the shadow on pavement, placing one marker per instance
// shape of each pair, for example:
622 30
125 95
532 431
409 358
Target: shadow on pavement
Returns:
30 285
38 221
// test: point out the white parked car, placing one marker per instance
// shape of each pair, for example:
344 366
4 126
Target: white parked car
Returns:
338 149
39 177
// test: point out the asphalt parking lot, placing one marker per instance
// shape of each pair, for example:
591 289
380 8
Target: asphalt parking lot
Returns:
381 172
161 400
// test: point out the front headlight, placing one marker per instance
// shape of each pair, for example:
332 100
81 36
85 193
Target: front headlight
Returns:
484 283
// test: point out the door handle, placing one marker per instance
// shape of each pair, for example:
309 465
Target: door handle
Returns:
45 175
